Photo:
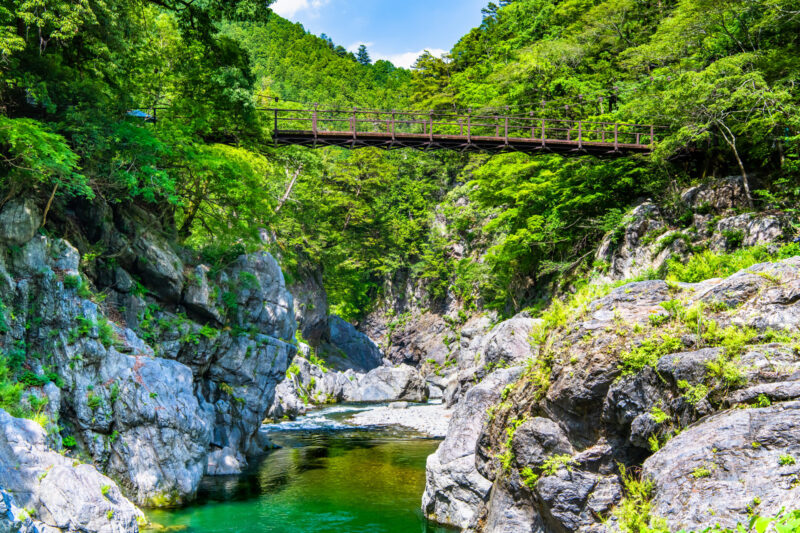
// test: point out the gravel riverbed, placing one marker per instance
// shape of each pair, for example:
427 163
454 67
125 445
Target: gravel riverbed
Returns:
431 419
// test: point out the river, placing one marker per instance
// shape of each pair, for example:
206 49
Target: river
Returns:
326 476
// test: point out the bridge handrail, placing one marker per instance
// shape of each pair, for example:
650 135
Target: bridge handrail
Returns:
501 127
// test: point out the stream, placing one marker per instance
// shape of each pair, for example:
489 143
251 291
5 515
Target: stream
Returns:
326 476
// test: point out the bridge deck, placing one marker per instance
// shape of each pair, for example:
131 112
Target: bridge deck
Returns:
430 131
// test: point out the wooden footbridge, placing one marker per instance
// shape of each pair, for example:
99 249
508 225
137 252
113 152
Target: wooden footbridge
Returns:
358 128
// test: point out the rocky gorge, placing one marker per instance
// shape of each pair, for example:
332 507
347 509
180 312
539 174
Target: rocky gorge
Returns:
147 370
630 398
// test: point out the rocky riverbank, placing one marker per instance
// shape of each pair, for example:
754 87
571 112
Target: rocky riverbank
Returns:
693 385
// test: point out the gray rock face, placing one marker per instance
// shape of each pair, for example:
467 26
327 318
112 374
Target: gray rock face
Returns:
483 348
386 384
712 471
644 241
454 488
509 342
512 511
311 305
19 220
748 230
158 265
595 413
716 196
349 348
60 494
160 406
624 253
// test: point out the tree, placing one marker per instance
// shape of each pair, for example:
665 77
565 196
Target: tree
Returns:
362 56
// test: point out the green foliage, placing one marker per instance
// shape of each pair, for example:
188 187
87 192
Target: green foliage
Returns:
649 352
721 76
707 264
69 441
658 415
634 512
72 282
556 462
693 394
94 401
786 460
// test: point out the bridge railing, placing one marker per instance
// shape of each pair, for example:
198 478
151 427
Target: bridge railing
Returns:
398 124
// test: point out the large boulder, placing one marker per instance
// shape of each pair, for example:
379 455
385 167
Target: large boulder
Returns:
726 465
153 260
454 488
310 304
483 348
389 384
631 372
348 348
748 229
509 342
716 196
19 220
54 490
307 384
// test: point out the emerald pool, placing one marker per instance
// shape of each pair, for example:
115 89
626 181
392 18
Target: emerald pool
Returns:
325 477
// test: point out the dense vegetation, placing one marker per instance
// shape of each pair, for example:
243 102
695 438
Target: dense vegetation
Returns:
720 76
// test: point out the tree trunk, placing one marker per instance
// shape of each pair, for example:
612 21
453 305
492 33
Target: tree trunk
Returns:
289 188
730 138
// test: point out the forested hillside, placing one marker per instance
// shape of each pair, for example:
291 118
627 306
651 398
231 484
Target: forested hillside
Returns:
720 77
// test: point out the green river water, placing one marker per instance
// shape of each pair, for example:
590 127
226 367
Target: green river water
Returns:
326 477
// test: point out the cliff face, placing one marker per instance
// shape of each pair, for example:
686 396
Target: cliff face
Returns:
674 404
157 368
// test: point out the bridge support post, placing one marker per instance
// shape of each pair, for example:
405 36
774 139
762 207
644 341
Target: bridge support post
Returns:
430 132
469 126
580 135
533 126
543 135
616 137
314 124
353 125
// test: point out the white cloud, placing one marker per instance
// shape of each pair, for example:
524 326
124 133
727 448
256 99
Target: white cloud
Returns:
408 59
354 47
405 59
289 8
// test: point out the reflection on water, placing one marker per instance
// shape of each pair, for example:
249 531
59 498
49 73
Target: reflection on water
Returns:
326 477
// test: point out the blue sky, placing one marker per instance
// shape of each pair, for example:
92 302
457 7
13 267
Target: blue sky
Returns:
397 30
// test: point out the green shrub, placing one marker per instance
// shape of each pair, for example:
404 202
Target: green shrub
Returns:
634 512
649 352
105 332
72 282
95 401
707 264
